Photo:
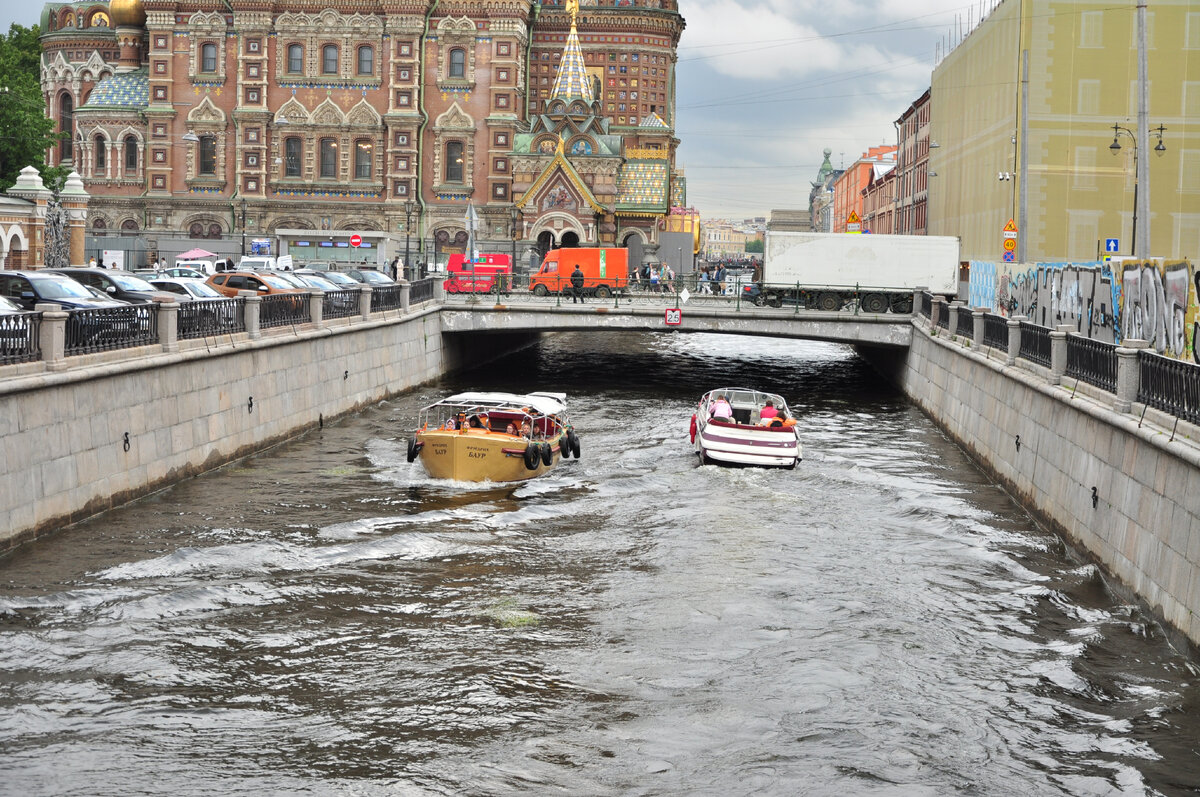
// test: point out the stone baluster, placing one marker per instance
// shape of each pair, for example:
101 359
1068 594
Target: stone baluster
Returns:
916 303
1058 352
406 294
939 307
52 336
954 309
316 306
253 312
168 326
977 331
364 302
1129 374
1014 339
439 291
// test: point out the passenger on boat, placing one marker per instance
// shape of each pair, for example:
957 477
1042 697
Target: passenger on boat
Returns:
510 429
720 409
525 428
449 424
768 412
481 421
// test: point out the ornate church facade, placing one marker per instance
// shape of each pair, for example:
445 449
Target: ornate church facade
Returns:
199 119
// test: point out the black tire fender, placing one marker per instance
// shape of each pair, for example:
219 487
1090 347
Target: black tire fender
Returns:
547 454
414 448
531 456
574 444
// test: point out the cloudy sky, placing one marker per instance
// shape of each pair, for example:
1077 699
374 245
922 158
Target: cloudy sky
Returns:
765 85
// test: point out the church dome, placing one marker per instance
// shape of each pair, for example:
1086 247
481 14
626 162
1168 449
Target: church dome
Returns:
127 13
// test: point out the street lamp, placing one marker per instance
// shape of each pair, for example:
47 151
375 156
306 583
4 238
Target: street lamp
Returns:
1114 148
243 226
409 206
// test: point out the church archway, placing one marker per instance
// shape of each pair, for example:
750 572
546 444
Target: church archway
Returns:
635 243
570 240
545 242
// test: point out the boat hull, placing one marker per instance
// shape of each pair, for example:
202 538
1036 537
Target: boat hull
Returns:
473 455
737 444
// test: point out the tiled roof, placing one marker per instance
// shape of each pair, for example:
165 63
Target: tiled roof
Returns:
642 185
655 121
572 81
125 90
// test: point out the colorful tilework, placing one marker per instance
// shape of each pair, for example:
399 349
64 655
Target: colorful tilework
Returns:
572 81
126 90
643 184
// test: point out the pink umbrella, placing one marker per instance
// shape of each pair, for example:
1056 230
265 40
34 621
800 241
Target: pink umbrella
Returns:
193 254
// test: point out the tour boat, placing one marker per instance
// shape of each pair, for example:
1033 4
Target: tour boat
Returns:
498 437
745 437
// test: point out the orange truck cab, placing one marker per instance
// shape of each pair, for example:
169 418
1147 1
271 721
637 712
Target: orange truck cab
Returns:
462 276
605 272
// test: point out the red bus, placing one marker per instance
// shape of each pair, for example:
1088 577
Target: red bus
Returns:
480 276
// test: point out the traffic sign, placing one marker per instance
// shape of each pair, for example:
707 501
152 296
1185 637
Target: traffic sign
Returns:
853 222
674 317
1011 226
356 240
1112 245
1010 244
1010 257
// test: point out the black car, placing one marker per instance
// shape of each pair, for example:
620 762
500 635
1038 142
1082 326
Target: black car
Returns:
28 288
118 284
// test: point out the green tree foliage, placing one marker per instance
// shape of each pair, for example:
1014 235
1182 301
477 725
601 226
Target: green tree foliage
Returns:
754 247
25 132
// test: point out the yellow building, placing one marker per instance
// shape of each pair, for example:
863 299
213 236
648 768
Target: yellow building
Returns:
1027 102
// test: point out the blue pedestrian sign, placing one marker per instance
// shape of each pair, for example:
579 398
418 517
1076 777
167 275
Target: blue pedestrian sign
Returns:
1112 245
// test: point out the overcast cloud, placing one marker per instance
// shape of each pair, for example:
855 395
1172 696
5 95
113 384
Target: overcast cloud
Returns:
765 85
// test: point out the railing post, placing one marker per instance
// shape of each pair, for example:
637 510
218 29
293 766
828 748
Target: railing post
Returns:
53 336
439 293
253 313
168 326
916 303
1014 339
1129 374
977 317
1058 352
935 312
952 321
364 302
316 306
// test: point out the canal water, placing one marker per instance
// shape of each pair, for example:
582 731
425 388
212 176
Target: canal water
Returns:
324 619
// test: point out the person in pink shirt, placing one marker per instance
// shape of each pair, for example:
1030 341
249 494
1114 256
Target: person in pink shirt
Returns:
721 410
769 411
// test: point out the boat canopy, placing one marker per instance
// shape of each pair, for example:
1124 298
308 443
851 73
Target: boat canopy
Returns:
745 397
543 403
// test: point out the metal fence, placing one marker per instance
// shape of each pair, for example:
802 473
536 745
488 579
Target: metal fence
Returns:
422 290
995 331
20 336
90 331
1035 344
1092 361
385 297
341 304
966 324
927 304
205 319
282 309
1172 386
943 319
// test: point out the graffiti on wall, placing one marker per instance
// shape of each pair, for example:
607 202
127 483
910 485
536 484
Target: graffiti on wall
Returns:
1149 300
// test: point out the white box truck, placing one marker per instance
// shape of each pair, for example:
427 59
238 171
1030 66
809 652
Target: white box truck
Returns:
827 271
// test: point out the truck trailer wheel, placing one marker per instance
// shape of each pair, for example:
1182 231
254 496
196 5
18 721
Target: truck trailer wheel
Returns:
774 300
603 292
829 302
540 290
873 303
902 304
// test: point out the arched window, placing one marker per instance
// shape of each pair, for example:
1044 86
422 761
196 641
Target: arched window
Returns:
100 144
208 154
458 63
366 60
214 231
291 157
129 224
364 152
131 155
66 124
196 230
98 223
454 162
295 58
329 59
208 57
328 158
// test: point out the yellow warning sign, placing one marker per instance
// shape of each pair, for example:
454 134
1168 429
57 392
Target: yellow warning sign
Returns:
1011 226
853 222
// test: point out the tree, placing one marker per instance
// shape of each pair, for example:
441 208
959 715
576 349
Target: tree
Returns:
25 131
755 245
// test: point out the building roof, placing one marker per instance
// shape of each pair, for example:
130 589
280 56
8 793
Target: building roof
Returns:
642 186
572 81
125 90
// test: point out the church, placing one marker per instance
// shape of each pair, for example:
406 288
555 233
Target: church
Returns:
300 123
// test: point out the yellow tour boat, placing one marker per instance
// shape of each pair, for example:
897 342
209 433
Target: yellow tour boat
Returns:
498 437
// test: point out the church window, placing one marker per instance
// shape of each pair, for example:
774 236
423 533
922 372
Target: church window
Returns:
101 147
329 59
366 60
66 124
208 155
458 63
328 158
208 57
454 162
291 157
295 58
131 155
364 151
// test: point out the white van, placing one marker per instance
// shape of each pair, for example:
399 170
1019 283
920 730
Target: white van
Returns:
203 266
256 263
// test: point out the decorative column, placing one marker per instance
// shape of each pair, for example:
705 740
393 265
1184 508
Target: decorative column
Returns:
168 326
29 186
1014 339
406 294
253 312
1058 352
316 306
977 317
364 302
53 336
952 325
1129 375
75 201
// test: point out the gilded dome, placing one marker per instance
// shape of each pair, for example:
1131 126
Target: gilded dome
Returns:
127 13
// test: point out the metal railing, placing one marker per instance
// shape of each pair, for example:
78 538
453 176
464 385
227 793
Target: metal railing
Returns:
943 319
385 297
995 331
1093 362
422 290
966 324
341 304
1035 344
105 329
20 336
926 304
1172 386
206 319
283 309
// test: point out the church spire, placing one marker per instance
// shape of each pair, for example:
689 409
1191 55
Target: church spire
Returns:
572 81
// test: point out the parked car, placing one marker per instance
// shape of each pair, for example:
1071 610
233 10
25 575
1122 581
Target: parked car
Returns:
29 288
369 276
184 272
14 332
228 283
343 281
205 267
187 289
117 284
315 281
9 307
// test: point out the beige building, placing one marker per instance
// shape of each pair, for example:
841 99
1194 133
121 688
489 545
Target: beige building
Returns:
1027 102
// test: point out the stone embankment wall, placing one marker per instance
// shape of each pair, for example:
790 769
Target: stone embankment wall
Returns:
1128 495
113 427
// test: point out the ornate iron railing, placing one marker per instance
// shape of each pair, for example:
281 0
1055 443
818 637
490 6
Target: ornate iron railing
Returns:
282 309
421 290
385 297
943 319
927 304
966 323
1169 385
206 319
1092 361
1035 344
341 304
995 331
90 331
20 336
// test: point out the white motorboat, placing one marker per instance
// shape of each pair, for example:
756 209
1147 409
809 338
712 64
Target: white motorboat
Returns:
743 426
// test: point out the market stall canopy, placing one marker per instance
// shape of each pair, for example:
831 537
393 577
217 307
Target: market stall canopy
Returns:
194 254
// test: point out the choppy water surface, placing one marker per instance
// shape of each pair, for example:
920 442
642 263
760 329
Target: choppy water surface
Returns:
323 619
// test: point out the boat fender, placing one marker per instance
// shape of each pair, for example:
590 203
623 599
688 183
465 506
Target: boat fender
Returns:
574 444
692 431
564 445
531 456
414 448
547 454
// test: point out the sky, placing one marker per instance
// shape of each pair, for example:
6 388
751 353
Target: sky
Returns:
764 86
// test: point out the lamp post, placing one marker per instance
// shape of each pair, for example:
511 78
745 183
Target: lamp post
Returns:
243 226
409 206
1138 176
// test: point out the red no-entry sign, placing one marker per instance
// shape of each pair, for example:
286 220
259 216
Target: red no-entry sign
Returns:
356 240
